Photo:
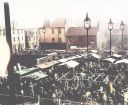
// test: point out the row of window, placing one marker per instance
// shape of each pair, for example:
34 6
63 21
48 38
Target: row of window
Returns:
59 30
2 31
14 38
29 38
18 46
18 31
34 38
90 38
53 39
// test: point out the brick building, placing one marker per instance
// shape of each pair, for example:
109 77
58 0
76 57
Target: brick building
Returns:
77 36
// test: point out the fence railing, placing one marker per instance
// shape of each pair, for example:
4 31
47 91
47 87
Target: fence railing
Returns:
58 101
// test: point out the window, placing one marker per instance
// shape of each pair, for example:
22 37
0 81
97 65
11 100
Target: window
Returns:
59 40
90 38
53 39
52 30
4 32
18 31
34 38
29 38
22 31
14 39
14 46
22 38
0 31
69 38
33 44
80 38
13 31
18 39
59 30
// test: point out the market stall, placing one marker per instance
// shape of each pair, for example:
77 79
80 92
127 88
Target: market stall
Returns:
70 64
35 76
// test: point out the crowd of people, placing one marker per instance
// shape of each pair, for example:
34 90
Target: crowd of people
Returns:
92 80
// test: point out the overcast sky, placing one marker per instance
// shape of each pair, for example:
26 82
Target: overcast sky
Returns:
30 13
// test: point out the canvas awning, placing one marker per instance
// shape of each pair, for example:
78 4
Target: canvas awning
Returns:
70 64
84 55
72 58
47 64
116 56
93 51
122 61
67 59
78 56
26 71
126 96
50 54
111 60
95 55
62 60
36 75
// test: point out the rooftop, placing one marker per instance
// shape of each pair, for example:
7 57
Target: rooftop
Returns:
80 31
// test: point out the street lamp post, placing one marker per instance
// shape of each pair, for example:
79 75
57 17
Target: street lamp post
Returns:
122 28
87 26
44 31
110 27
40 39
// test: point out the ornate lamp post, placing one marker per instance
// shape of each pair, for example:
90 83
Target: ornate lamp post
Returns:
44 31
122 29
87 26
110 27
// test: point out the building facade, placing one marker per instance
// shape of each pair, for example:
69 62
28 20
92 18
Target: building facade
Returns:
54 35
18 40
1 30
22 39
77 36
32 38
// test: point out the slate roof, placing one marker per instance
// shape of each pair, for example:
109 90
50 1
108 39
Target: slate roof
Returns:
80 31
58 22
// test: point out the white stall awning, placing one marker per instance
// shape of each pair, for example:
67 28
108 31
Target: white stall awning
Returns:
111 60
47 64
70 64
122 61
95 56
116 55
